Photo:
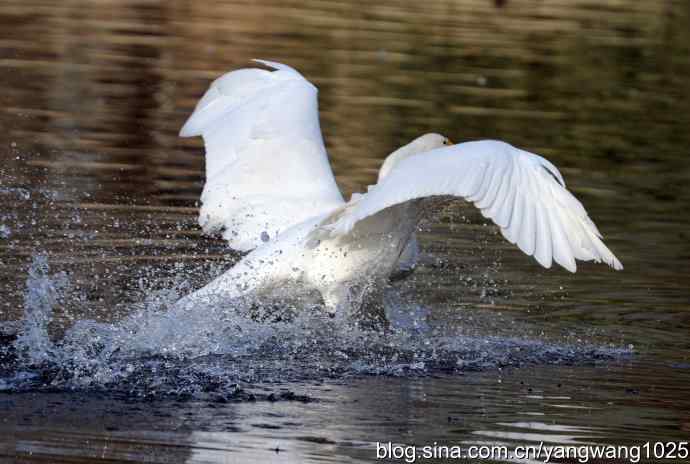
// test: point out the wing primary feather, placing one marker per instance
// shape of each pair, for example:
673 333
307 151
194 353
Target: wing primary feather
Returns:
562 252
512 228
549 167
550 173
516 215
489 195
526 241
543 250
574 231
497 209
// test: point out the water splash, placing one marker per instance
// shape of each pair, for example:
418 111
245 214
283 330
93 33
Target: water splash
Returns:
41 294
160 349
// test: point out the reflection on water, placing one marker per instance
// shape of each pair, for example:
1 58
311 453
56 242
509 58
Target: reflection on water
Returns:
96 178
483 408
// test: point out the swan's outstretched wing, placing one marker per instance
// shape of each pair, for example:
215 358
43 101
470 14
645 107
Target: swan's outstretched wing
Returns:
521 192
266 164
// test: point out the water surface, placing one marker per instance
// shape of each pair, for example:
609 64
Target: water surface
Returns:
99 202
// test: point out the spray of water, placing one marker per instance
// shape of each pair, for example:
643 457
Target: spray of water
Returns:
160 349
41 294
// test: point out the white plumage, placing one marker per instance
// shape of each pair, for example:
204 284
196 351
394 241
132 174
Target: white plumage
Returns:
269 187
266 164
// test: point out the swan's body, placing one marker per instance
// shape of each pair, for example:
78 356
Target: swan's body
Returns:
270 189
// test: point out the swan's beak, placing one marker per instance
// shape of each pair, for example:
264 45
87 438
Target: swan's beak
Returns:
448 142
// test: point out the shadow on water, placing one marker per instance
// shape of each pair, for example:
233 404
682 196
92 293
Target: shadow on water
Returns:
96 181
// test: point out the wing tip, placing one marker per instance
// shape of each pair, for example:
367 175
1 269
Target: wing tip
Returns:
570 266
275 65
188 130
267 63
544 261
612 263
191 127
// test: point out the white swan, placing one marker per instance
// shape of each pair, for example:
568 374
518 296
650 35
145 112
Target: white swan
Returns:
269 188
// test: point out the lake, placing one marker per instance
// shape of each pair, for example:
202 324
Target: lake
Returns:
98 232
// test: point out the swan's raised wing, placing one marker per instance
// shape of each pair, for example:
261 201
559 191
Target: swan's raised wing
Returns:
521 192
266 164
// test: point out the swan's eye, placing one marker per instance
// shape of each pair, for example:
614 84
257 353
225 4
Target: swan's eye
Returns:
447 142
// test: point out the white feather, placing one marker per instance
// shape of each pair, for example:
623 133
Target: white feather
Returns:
268 180
522 192
266 164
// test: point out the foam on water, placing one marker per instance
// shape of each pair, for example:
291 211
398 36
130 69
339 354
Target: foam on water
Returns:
162 350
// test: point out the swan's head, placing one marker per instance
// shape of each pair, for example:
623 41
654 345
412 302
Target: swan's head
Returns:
426 142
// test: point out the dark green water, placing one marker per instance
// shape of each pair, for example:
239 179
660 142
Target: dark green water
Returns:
95 178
